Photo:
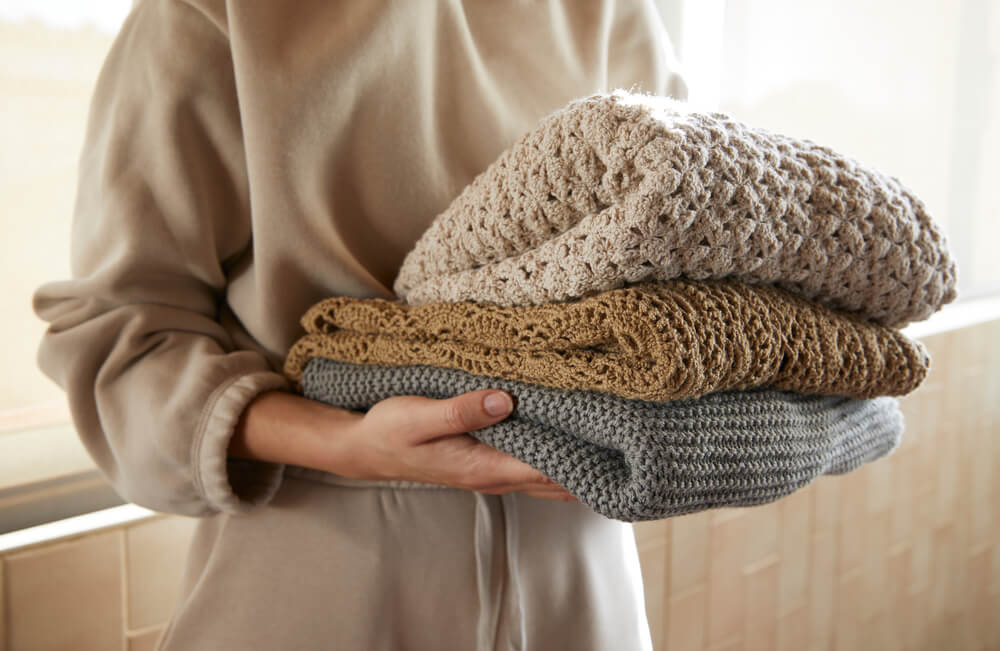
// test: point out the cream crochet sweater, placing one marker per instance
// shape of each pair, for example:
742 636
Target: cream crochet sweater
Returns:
621 188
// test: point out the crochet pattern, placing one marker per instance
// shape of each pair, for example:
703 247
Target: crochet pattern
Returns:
622 188
653 341
634 460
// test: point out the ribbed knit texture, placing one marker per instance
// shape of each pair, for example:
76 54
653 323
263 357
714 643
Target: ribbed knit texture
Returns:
654 341
623 188
636 460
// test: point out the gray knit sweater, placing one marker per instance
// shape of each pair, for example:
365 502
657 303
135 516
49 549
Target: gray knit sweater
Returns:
635 460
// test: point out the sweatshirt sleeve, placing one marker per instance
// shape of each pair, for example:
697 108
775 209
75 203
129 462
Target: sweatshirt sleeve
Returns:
155 384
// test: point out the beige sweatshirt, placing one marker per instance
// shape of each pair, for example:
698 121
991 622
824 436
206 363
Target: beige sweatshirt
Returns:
244 160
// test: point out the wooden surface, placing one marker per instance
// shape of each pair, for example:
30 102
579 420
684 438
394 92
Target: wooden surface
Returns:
901 554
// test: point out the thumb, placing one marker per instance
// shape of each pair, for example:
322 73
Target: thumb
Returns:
432 419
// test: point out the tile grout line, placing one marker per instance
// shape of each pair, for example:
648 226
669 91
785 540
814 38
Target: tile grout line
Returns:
4 628
838 559
810 549
123 586
706 602
667 552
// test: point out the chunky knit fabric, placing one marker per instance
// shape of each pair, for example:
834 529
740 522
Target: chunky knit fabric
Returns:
623 188
636 460
655 341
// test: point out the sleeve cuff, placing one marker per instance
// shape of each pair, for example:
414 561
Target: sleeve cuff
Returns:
234 485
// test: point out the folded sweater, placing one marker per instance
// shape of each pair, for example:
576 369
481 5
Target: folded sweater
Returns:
622 188
636 460
652 341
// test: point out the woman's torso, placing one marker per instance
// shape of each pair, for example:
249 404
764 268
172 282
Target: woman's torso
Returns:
362 121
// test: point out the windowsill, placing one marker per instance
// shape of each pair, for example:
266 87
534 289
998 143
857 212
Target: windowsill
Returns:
73 527
956 316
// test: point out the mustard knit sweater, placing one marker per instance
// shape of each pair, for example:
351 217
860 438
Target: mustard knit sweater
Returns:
652 341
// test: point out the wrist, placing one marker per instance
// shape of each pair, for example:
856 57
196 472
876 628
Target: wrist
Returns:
286 428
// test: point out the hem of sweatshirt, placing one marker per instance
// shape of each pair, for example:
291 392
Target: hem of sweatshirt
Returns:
227 484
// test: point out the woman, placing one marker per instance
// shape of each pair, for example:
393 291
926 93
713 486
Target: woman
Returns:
245 160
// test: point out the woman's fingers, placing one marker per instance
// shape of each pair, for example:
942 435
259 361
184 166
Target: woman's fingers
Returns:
555 493
428 440
559 496
479 467
428 419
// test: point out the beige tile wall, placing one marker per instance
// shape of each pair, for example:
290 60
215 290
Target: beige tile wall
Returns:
903 554
108 591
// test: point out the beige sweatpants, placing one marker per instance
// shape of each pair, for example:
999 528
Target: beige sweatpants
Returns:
342 564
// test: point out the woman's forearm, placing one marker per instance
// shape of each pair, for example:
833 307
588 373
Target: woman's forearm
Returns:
406 438
283 427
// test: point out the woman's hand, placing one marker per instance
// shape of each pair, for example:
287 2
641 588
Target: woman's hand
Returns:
405 437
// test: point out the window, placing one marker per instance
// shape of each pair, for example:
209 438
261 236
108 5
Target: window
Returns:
52 52
910 87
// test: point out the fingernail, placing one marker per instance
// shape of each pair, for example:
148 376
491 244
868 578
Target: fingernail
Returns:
498 404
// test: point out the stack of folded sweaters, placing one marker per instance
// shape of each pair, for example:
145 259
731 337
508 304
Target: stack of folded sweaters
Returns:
690 313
